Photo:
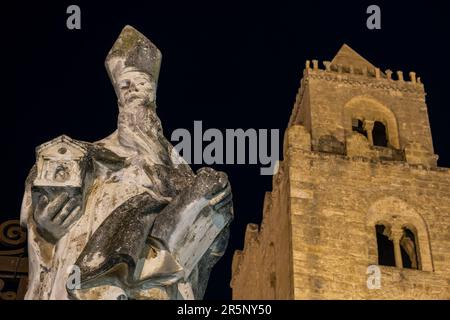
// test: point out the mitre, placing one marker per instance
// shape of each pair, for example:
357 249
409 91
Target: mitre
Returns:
133 51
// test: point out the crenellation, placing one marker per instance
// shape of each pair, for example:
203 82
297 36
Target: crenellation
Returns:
389 74
315 64
362 72
251 234
307 65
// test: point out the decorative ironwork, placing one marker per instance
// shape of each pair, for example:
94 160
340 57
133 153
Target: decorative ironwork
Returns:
13 262
11 234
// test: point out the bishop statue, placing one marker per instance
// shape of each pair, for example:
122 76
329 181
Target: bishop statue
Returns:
124 217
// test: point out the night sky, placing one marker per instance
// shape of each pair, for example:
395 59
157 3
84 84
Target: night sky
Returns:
230 66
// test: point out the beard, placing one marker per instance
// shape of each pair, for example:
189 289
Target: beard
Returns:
141 117
139 129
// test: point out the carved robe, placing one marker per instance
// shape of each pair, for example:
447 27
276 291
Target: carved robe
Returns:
117 177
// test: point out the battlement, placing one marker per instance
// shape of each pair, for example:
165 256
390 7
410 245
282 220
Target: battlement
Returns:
312 66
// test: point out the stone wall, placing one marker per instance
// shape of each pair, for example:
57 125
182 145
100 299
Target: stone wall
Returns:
333 241
263 270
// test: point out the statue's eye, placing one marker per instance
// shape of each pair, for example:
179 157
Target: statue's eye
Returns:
124 84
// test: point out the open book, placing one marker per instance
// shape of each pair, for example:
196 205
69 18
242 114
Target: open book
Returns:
185 229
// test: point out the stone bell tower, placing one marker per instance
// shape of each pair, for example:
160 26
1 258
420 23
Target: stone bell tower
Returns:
358 195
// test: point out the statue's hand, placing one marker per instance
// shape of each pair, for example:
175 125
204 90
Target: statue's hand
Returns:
216 188
54 218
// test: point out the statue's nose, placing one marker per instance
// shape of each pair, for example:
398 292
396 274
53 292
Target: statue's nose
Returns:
133 88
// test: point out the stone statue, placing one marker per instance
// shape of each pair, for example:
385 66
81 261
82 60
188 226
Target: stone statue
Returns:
124 217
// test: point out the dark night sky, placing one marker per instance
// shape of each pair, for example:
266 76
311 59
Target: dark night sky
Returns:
231 66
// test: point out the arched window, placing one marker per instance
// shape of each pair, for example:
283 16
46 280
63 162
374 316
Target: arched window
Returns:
400 226
408 245
377 120
379 134
386 256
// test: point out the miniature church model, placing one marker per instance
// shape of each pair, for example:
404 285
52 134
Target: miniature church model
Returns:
60 164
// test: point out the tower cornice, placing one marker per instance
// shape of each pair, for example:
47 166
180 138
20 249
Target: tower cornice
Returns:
367 81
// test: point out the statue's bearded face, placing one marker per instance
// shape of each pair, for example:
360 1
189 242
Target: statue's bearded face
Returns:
136 89
137 115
